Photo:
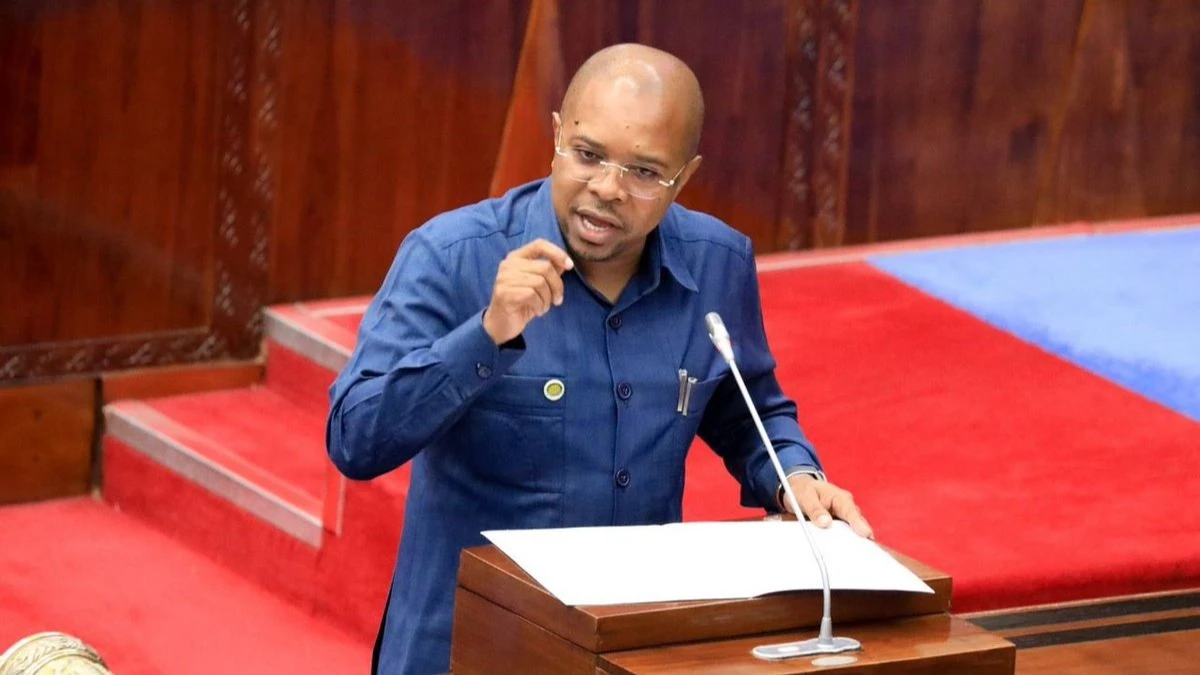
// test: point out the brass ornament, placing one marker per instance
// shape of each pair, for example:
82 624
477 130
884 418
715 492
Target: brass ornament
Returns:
52 653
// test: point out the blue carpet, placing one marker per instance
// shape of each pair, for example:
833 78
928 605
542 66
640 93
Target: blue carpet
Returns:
1123 306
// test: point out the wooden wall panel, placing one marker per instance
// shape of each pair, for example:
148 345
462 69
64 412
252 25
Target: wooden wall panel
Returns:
975 115
392 113
738 51
135 205
1093 169
118 233
167 168
46 449
20 66
953 110
1164 48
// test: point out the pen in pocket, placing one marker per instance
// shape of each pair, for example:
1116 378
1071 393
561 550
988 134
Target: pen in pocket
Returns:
687 395
682 391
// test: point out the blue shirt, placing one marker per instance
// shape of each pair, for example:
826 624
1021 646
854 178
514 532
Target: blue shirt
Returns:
492 446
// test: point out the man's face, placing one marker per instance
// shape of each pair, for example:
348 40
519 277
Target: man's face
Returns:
610 121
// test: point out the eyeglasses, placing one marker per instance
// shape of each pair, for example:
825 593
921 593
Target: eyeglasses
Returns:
642 182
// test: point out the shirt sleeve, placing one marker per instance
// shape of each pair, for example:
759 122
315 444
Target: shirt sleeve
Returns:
727 426
417 365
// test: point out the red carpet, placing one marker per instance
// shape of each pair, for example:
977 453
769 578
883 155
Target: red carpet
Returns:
1024 477
148 604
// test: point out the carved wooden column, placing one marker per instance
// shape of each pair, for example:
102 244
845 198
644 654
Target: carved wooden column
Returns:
820 89
795 208
248 165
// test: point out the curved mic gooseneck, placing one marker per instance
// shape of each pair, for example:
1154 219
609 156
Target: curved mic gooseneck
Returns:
825 642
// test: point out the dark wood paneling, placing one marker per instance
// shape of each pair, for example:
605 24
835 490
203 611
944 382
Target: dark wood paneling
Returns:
742 78
119 235
166 169
20 66
137 236
1092 168
953 110
46 447
489 639
977 115
392 113
1164 61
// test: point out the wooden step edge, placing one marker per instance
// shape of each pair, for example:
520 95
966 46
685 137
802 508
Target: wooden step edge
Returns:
1094 620
314 338
217 470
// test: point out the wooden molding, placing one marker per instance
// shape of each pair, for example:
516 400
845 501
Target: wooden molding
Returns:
146 383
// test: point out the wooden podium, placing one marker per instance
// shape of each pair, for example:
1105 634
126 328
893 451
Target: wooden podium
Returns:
505 622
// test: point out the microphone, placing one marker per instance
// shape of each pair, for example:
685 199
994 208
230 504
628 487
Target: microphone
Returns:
720 337
825 642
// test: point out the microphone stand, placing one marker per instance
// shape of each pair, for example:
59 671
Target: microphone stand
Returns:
825 642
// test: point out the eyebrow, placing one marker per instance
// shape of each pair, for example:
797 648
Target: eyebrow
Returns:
641 159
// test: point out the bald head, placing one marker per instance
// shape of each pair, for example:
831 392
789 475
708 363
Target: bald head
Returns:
649 72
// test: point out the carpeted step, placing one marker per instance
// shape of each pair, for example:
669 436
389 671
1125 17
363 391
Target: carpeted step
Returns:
252 447
243 476
323 332
149 604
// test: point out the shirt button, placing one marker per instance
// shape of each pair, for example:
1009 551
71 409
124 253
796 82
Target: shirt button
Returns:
624 391
615 321
483 370
622 478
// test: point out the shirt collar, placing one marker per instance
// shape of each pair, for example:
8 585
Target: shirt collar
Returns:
662 246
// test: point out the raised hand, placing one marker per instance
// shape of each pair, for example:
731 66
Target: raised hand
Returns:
528 284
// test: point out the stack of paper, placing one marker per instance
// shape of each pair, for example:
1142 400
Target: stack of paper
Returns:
698 561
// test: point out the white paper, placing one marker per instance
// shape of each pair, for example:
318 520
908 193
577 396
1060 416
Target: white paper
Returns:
698 561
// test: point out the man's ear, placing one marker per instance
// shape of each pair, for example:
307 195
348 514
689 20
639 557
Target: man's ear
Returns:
555 124
687 173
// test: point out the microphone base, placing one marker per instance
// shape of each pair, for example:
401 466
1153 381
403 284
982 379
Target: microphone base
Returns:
812 647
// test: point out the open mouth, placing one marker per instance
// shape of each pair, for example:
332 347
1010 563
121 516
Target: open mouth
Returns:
595 230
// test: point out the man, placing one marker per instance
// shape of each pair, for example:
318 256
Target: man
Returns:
528 353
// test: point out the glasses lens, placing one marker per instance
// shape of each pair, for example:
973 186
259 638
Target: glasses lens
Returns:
584 172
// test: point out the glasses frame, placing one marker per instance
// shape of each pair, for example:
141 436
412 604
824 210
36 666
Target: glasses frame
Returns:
622 171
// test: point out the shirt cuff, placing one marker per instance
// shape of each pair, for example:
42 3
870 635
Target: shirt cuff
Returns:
472 359
797 471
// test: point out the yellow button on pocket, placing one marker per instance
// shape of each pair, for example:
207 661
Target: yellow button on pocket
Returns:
554 389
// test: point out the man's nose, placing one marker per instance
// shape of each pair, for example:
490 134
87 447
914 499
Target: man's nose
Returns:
607 184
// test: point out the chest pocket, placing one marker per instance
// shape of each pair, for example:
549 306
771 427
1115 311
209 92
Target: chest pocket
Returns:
702 393
517 433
